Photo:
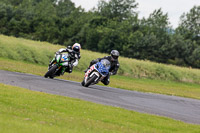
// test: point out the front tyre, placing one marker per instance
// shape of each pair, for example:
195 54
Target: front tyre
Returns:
91 80
51 72
83 83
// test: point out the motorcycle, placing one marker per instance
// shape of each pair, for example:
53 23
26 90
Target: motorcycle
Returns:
61 63
96 73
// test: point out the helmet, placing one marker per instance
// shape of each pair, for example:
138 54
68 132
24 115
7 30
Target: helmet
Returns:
76 47
114 54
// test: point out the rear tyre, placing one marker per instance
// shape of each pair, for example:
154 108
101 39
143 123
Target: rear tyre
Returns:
51 72
91 80
51 77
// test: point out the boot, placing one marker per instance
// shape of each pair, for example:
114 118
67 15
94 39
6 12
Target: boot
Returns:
63 71
70 67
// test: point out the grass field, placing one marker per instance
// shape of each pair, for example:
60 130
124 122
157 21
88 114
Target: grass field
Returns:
23 111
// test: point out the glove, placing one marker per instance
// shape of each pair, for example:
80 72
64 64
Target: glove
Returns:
70 65
69 47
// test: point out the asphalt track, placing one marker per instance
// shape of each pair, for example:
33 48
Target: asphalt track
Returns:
183 109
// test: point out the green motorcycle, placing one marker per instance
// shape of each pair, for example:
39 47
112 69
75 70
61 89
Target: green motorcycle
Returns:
61 63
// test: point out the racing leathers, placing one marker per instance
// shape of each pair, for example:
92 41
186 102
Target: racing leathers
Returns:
74 58
113 69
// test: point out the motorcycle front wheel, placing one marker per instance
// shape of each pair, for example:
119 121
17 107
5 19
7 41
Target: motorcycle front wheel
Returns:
51 72
91 80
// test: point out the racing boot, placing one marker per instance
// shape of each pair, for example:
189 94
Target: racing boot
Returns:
69 69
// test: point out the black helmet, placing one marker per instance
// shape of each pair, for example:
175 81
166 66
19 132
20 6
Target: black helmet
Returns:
114 54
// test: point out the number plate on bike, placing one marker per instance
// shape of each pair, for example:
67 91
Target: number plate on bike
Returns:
65 57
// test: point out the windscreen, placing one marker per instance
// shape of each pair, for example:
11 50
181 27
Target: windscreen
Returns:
106 63
65 57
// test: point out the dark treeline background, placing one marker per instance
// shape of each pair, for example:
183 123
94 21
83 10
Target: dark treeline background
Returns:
112 25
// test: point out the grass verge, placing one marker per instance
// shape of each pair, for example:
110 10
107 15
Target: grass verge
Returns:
25 111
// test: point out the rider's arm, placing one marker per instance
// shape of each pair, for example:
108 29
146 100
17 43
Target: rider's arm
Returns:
75 59
94 61
75 62
114 71
64 50
61 50
97 60
79 56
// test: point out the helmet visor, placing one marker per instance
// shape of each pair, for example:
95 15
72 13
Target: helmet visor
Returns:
76 49
115 57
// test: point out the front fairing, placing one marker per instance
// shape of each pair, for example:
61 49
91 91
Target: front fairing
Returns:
62 59
102 68
89 72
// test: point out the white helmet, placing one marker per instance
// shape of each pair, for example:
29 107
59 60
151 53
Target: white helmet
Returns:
76 47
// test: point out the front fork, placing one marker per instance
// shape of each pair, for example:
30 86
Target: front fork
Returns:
53 61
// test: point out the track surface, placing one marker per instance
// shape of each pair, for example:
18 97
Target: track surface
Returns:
184 109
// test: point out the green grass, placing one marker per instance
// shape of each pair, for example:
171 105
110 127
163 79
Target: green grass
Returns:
42 52
158 86
23 111
145 85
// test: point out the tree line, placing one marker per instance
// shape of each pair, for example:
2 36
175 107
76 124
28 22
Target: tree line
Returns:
112 25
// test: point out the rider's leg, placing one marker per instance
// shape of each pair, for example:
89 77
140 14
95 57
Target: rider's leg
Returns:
106 80
69 68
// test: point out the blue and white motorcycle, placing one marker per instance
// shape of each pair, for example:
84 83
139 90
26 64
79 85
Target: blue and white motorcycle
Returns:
96 73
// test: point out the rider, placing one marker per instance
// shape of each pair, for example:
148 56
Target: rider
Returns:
74 52
114 65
